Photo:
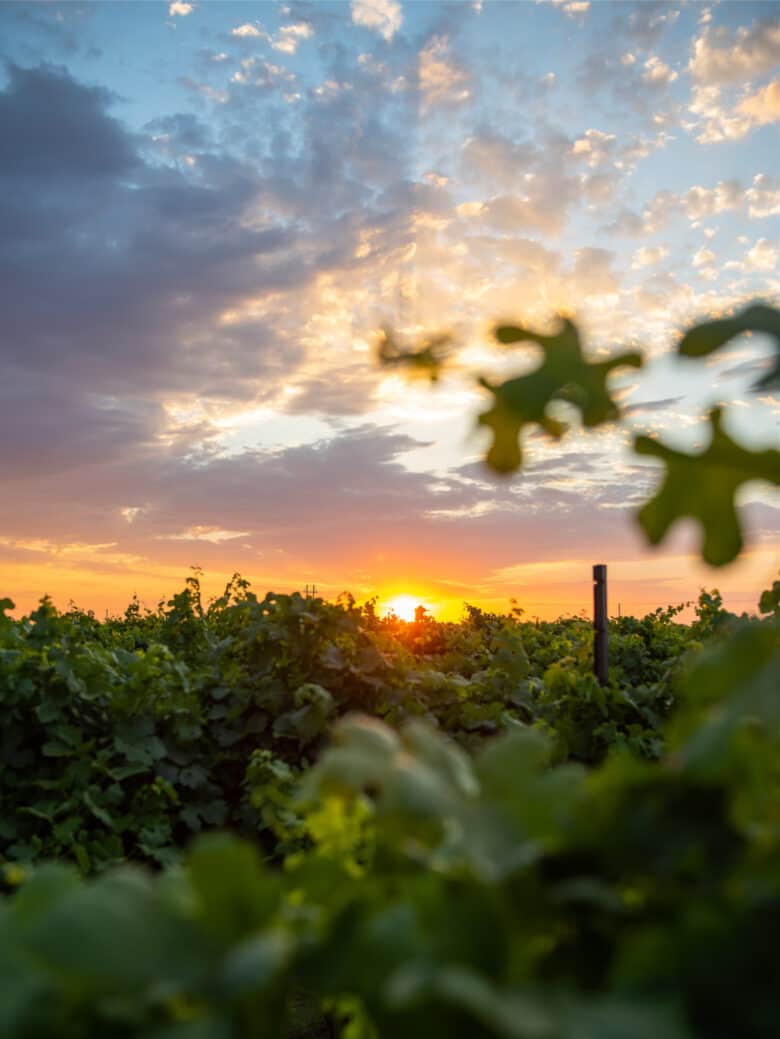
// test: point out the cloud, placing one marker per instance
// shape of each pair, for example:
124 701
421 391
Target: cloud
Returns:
762 256
630 83
595 146
56 131
179 134
180 8
247 31
592 271
657 71
73 427
721 56
262 75
138 261
703 257
627 223
623 152
600 188
377 520
287 40
383 16
763 197
303 30
704 262
699 203
290 37
442 80
215 535
762 107
526 184
61 28
648 21
718 120
573 8
648 256
178 276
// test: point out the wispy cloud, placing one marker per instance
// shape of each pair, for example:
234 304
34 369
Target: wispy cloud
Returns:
383 16
720 55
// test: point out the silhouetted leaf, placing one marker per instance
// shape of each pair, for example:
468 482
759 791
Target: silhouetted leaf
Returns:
705 338
564 374
770 599
426 361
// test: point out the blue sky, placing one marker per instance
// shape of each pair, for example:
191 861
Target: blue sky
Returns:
209 209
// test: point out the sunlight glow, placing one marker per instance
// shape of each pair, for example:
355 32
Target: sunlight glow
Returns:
403 606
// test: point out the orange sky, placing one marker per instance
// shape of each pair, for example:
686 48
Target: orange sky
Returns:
545 590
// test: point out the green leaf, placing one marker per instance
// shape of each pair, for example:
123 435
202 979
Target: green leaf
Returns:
126 771
235 894
709 336
100 813
55 749
361 754
253 964
614 1018
564 374
137 741
733 684
46 886
443 756
212 1028
48 711
315 706
703 486
193 776
511 1015
114 934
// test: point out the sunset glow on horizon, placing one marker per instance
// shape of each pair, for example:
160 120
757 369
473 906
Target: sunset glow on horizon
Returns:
404 607
209 210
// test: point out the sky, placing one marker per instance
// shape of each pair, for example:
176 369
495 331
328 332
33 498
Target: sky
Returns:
207 211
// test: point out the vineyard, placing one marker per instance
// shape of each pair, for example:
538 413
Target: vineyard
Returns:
263 817
455 308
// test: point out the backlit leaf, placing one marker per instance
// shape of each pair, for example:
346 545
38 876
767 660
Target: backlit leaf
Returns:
709 336
703 487
426 361
564 375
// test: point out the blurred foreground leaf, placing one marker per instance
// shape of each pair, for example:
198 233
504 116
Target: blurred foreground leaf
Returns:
425 361
703 486
564 374
709 336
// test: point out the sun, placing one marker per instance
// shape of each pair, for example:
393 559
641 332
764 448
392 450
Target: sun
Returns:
403 606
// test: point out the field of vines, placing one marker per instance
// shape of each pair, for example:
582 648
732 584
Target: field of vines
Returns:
257 818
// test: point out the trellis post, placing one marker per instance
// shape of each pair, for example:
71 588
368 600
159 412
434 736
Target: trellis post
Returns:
600 631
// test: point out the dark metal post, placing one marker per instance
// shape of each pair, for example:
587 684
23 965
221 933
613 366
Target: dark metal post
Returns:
600 632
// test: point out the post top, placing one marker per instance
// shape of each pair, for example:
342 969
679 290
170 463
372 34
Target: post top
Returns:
599 571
